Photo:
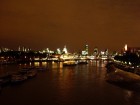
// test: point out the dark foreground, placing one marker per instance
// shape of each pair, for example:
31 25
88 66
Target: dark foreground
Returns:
75 85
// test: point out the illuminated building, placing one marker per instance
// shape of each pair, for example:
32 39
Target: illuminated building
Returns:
65 50
106 52
95 51
132 49
86 49
125 47
58 51
85 52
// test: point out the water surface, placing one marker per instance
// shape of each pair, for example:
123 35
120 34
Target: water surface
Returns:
71 85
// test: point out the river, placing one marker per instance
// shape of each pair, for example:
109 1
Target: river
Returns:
72 85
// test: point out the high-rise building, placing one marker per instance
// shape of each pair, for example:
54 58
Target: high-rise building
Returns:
85 52
95 51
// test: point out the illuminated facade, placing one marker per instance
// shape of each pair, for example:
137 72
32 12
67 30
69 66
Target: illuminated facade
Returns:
65 50
58 51
132 49
125 47
85 52
86 49
106 52
95 51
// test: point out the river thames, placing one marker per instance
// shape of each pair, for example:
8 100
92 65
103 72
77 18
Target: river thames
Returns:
82 84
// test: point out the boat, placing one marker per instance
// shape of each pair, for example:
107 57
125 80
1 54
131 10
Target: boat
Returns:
5 79
70 63
117 75
23 71
122 78
31 73
28 72
18 78
41 68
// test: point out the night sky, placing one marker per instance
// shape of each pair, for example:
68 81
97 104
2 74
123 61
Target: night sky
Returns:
39 24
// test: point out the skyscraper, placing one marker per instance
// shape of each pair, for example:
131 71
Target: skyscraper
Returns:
86 49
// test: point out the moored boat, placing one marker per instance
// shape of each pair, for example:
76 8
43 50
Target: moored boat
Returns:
41 68
70 63
18 78
120 76
31 73
5 79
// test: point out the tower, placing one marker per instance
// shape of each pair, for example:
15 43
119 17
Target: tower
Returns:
86 49
125 47
95 51
65 50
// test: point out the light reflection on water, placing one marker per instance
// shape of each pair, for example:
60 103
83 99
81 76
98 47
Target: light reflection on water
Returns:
132 97
71 85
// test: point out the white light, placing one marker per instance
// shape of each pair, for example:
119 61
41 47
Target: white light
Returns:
125 47
65 50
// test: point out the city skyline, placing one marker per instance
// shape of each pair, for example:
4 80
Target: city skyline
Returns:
65 49
74 23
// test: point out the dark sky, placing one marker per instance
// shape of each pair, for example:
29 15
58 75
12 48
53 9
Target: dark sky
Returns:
54 23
